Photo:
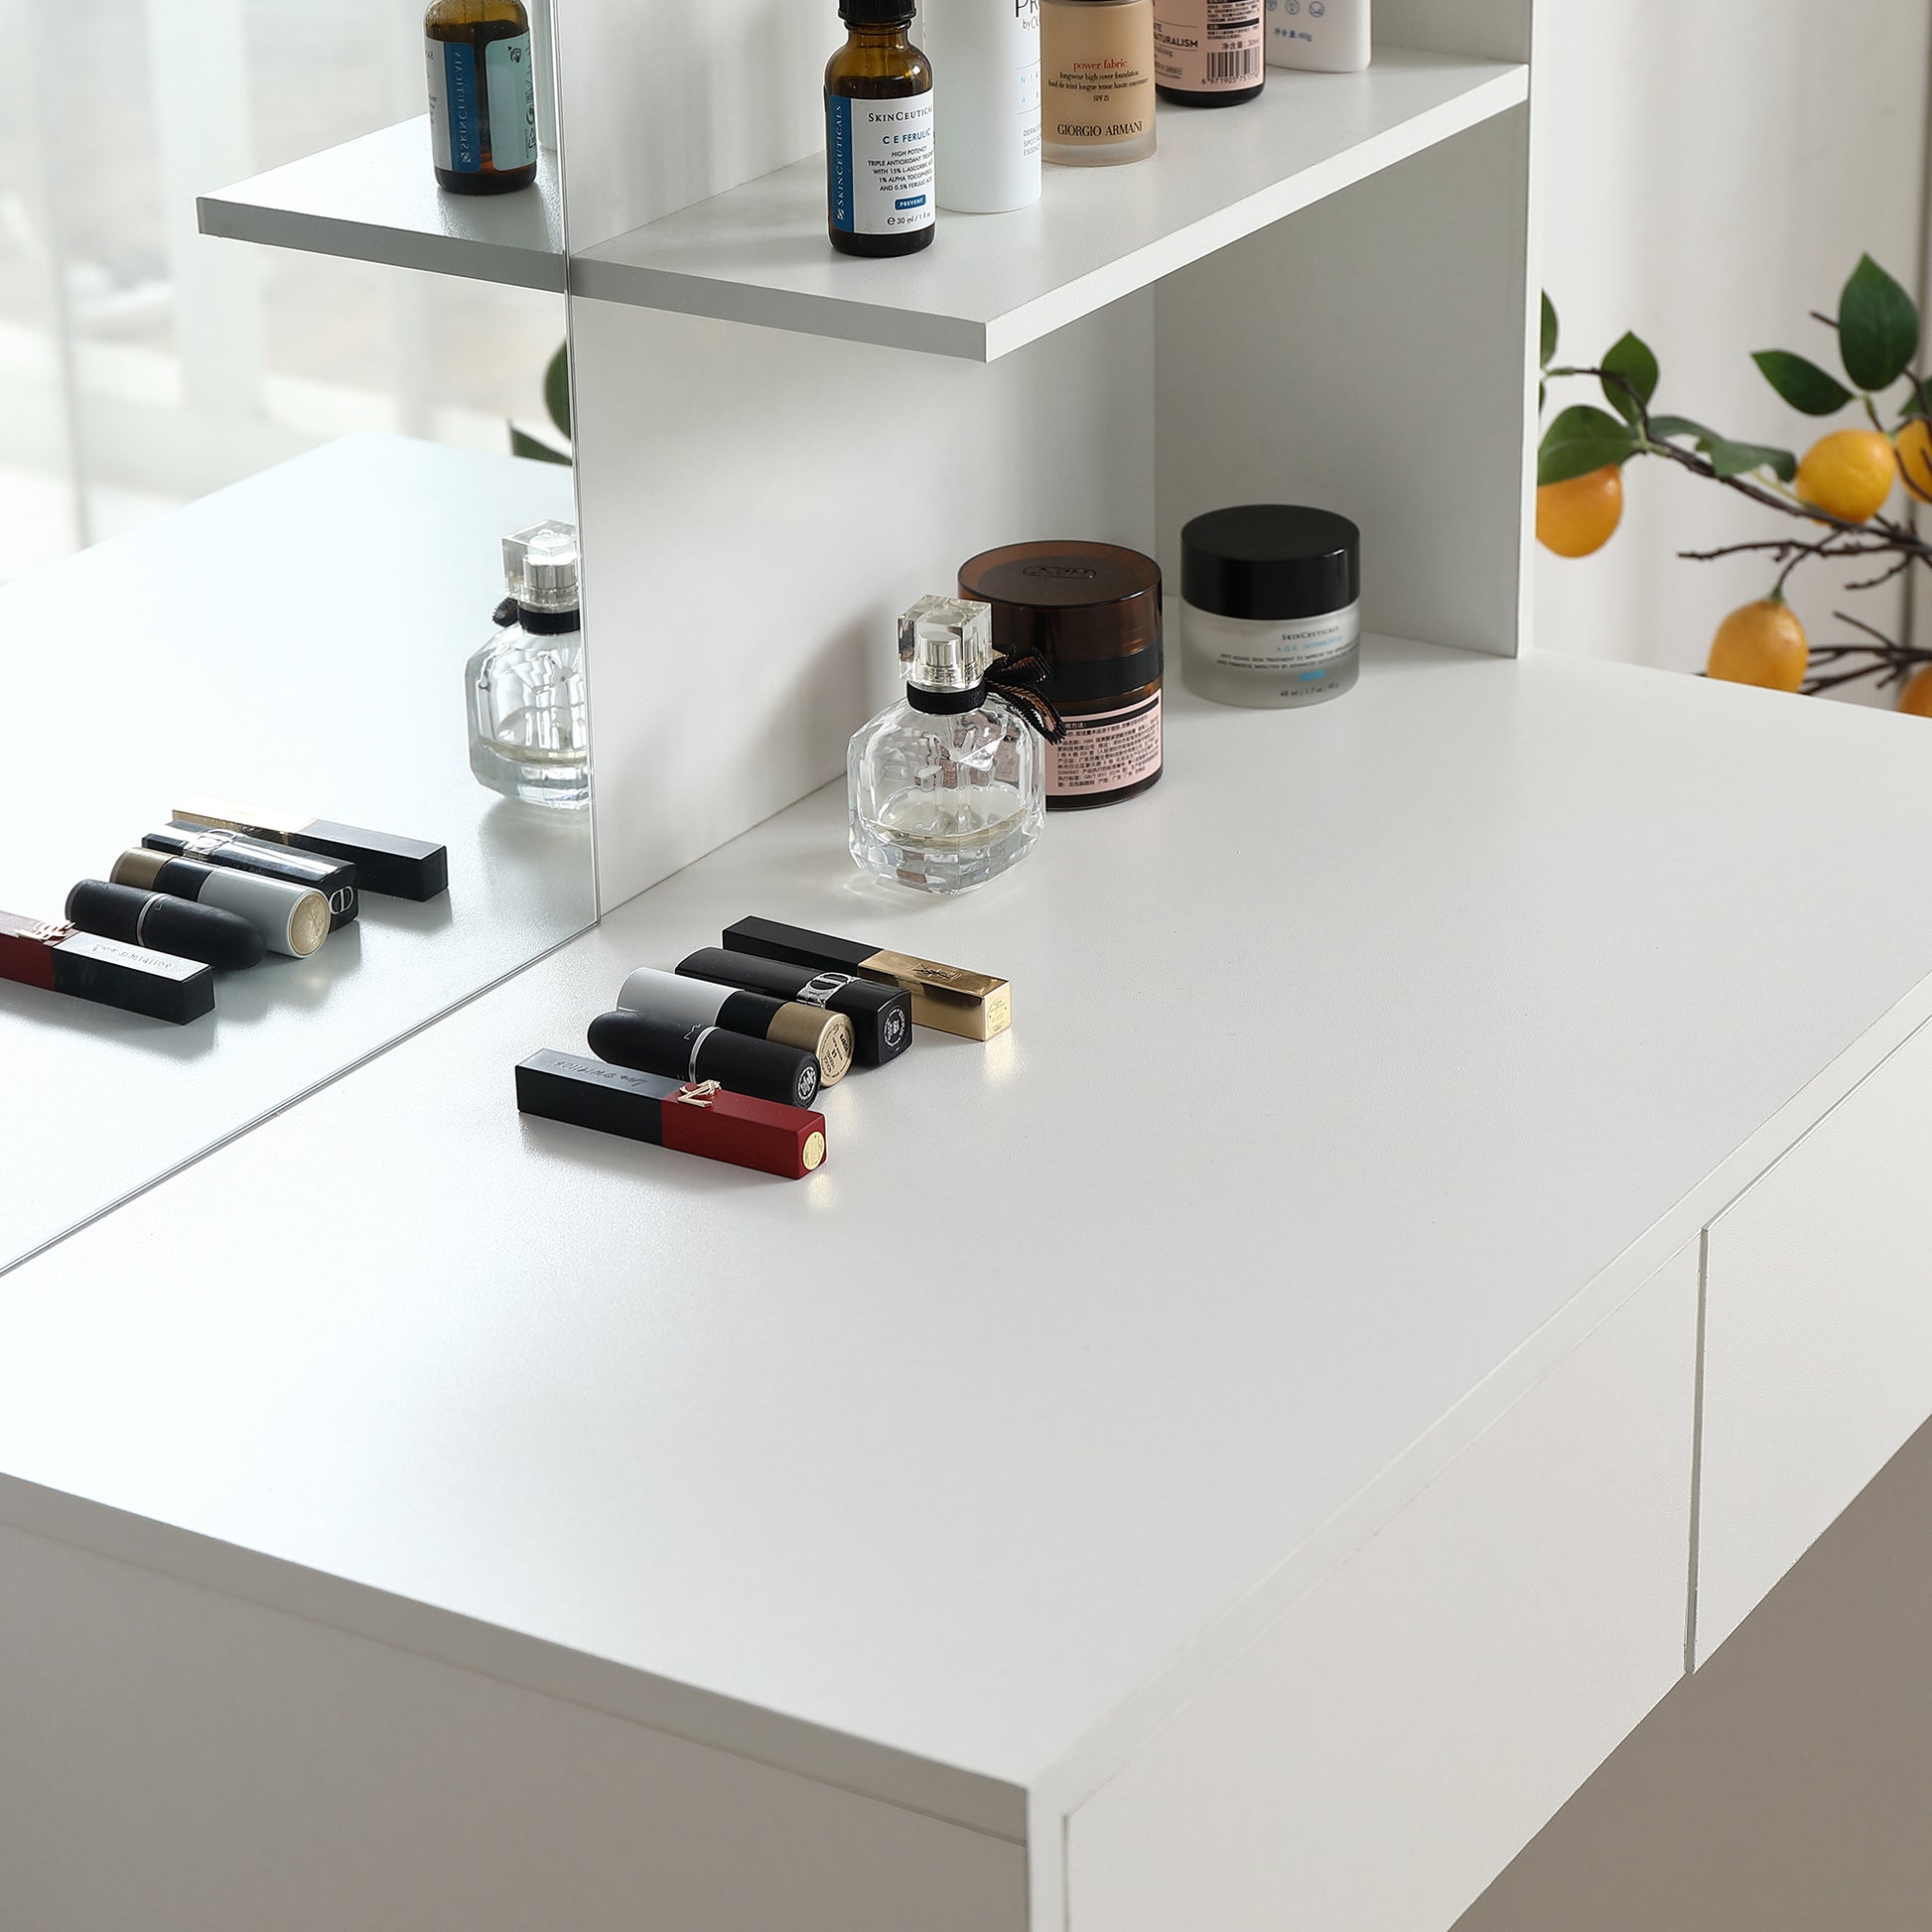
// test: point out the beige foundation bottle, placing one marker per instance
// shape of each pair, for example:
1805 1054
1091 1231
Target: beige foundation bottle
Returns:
1097 81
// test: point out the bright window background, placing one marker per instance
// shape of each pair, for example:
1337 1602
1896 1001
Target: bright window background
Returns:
142 364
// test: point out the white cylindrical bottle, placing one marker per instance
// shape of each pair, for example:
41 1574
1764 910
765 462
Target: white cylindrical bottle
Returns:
1319 36
985 56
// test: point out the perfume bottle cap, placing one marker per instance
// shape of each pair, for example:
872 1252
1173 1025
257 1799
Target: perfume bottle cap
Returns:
946 644
540 567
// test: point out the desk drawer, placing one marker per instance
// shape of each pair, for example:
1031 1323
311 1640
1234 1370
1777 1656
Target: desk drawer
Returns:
1818 1336
1376 1758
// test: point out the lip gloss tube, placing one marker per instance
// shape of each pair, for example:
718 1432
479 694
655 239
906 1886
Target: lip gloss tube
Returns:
827 1036
166 924
693 1118
292 919
57 958
949 999
384 862
880 1016
334 879
648 1043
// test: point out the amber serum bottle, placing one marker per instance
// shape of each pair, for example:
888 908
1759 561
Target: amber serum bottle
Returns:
878 174
483 97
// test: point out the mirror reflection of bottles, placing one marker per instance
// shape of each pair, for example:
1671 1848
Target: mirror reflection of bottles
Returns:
880 193
987 53
482 101
1097 81
529 714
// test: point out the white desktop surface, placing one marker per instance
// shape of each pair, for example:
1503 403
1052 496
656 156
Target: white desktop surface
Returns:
1347 1065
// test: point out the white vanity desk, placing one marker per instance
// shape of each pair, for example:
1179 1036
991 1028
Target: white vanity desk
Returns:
1219 1456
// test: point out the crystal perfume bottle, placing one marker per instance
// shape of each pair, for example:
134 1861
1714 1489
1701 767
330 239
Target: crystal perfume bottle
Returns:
947 788
529 721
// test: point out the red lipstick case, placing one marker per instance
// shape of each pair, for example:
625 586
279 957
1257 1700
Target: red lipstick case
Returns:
55 955
697 1118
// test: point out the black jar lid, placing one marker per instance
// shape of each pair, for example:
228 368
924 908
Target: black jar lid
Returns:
875 13
1271 560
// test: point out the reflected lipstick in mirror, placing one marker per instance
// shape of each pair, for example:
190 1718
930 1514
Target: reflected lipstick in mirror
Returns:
692 1117
59 957
397 867
334 879
166 923
292 919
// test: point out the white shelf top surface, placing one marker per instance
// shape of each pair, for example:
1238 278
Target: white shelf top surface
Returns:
991 283
297 640
375 199
1343 1062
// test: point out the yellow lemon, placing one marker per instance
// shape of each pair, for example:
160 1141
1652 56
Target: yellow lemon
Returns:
1916 697
1764 643
1849 473
1580 516
1915 458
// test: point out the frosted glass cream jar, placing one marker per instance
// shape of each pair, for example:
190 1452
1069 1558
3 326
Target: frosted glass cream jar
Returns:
1271 605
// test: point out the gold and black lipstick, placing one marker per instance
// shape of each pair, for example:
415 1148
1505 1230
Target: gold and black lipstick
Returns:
948 999
828 1037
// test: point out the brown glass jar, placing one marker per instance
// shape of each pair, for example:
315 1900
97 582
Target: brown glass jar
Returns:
1092 611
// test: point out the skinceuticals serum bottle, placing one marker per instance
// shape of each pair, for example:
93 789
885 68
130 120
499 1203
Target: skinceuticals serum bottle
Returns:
879 176
482 101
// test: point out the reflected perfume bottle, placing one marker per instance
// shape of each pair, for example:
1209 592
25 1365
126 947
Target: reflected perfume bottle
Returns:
529 718
947 788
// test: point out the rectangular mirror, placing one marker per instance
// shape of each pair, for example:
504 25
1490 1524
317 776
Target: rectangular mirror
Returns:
252 509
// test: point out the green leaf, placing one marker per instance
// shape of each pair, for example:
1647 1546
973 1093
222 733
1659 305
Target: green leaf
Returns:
528 446
1662 427
1803 385
1878 327
1632 360
1549 330
1581 440
1731 459
556 389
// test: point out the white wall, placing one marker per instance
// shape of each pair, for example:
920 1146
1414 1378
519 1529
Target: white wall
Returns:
1713 170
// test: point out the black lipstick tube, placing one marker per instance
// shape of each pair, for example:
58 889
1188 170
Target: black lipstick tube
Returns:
164 923
882 1016
676 1052
292 919
949 999
334 879
384 862
701 1003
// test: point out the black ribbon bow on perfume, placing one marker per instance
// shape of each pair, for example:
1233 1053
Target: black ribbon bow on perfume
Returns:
1018 680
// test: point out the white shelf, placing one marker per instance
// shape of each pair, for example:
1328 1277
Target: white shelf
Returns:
377 200
991 284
